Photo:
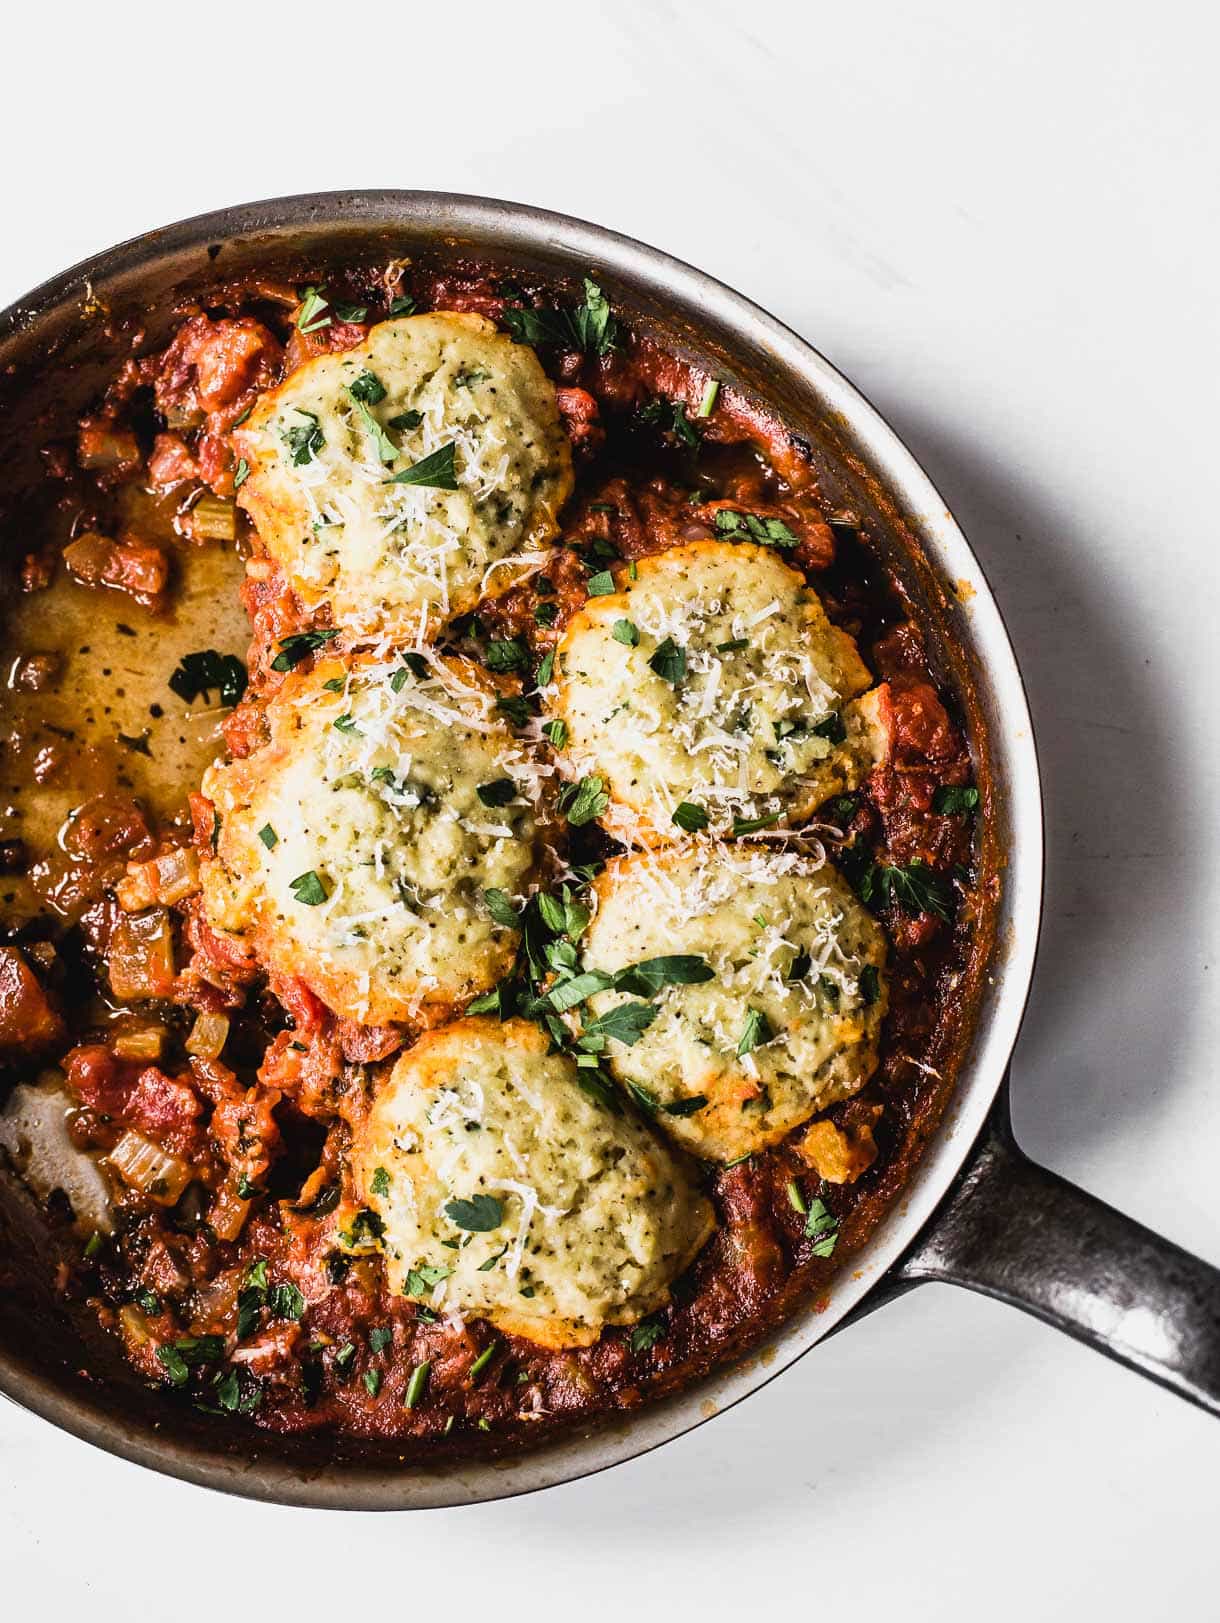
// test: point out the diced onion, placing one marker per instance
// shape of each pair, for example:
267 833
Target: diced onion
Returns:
208 1036
135 1326
141 956
213 519
139 1042
177 874
135 890
171 877
228 1214
148 1168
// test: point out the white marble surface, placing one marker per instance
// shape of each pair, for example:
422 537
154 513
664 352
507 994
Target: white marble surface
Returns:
1001 221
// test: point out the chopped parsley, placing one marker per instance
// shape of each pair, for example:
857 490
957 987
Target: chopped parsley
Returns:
147 1301
311 316
671 415
515 708
546 670
372 1382
406 420
870 984
833 728
590 328
626 631
821 1226
380 1337
482 1361
601 584
268 836
626 1023
669 662
545 614
199 674
770 531
241 473
418 1384
351 312
497 793
368 388
379 1183
403 305
557 733
308 889
304 440
421 1280
346 724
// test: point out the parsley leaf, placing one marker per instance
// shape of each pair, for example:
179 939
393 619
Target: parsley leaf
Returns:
298 646
647 1333
690 817
585 801
950 800
832 728
380 1337
823 1226
285 1302
751 825
387 451
506 654
436 471
425 1278
677 969
626 1023
600 585
515 708
406 420
478 1215
501 909
626 631
756 1030
590 328
915 888
403 305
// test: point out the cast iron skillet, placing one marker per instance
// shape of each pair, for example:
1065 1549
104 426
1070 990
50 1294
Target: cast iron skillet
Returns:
974 1210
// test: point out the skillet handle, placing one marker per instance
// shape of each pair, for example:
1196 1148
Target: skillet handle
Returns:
1013 1230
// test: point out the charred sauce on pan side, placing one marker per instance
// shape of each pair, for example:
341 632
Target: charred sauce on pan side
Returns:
138 561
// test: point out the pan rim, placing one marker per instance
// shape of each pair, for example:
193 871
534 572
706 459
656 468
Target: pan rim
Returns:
578 1454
